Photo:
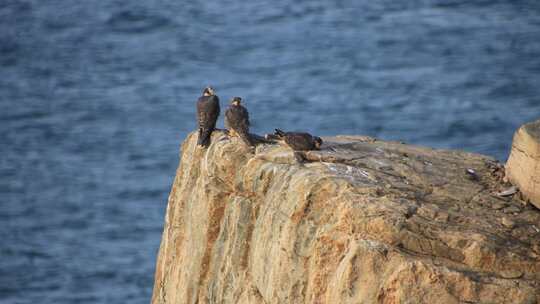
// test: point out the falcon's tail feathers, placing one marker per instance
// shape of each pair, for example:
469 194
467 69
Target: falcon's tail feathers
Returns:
279 133
204 137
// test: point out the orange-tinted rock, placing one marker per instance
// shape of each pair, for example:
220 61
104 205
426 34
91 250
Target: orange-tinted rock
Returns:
366 221
523 165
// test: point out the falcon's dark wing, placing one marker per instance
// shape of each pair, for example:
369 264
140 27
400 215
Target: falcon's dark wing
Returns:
299 141
207 115
237 119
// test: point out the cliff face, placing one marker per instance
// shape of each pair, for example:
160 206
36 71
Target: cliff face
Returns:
365 222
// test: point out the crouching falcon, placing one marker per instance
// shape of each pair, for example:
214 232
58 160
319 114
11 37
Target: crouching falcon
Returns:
299 142
207 115
237 121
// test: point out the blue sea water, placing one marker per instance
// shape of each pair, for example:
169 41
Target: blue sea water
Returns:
96 96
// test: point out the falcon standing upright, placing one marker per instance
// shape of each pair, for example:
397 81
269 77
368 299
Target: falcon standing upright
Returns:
207 115
237 121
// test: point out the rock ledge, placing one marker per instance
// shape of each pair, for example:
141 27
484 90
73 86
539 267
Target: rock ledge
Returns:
366 221
523 166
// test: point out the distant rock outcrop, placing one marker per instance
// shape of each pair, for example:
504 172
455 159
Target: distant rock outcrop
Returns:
366 221
523 166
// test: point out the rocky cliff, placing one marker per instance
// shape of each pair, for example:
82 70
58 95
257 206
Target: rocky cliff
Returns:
523 166
366 221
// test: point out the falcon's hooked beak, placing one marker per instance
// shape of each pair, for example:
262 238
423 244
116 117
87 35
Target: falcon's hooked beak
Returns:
236 101
209 91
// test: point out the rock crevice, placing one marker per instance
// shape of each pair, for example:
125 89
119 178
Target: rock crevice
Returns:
366 221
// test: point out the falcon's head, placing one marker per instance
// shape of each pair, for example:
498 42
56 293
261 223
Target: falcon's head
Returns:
318 141
236 101
208 91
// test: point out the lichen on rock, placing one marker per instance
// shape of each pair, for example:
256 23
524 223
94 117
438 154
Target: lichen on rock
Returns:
365 221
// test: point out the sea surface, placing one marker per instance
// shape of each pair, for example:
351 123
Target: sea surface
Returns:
97 95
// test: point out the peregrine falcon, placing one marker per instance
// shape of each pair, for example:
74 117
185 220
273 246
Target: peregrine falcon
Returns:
207 115
237 121
299 141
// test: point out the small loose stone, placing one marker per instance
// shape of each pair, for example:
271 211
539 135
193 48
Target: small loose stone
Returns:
508 222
